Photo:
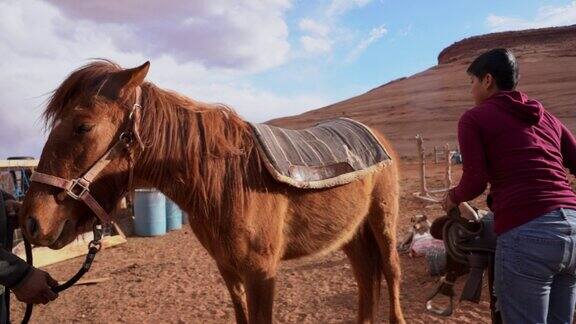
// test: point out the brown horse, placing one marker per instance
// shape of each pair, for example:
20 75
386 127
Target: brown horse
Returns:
204 158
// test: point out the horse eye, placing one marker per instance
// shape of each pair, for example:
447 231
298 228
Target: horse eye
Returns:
83 129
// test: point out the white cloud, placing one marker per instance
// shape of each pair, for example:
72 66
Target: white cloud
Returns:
316 39
340 7
40 45
35 58
216 33
316 45
375 34
313 27
547 16
252 103
320 35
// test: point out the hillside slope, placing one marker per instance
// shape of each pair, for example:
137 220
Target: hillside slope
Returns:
430 102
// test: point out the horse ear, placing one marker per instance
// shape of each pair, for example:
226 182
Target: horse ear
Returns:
123 80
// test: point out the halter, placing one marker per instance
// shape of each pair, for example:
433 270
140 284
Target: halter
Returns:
79 188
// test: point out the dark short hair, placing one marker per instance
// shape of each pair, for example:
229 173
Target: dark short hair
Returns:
501 64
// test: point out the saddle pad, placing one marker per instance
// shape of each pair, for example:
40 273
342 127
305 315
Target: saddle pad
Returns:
331 153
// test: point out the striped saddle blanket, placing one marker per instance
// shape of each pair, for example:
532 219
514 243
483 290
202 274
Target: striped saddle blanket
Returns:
331 153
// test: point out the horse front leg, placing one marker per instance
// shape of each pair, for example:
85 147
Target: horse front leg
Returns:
260 293
237 294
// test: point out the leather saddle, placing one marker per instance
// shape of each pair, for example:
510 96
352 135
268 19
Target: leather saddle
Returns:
332 153
470 246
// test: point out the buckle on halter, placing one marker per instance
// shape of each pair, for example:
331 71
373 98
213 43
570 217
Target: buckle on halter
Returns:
78 185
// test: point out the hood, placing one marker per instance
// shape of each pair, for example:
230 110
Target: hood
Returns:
518 105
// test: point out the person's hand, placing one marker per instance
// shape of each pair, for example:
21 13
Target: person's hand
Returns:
36 288
448 204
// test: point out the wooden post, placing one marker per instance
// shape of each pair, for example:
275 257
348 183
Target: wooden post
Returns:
448 154
422 157
16 164
44 256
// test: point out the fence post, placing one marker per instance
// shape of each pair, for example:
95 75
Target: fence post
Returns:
448 154
422 157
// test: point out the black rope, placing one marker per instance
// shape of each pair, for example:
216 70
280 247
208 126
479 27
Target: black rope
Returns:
85 267
29 307
93 248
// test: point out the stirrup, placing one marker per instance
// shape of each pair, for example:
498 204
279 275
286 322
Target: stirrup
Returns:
447 311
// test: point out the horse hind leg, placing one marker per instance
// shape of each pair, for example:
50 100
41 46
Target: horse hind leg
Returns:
237 294
364 255
382 219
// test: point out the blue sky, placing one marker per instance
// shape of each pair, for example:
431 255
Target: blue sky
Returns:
416 33
265 58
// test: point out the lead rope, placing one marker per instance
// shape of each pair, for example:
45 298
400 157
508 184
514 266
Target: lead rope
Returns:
29 307
93 247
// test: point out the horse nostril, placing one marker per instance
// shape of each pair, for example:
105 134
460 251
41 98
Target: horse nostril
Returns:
32 227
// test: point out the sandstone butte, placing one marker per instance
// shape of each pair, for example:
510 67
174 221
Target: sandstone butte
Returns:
430 102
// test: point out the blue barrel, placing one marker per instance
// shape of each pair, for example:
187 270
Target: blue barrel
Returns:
149 212
173 216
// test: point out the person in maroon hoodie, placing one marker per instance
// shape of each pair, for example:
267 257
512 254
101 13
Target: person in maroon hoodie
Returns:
513 143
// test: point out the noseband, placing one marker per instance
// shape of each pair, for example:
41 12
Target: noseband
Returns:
79 188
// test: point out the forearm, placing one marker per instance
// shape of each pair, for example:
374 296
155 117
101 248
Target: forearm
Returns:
470 187
474 171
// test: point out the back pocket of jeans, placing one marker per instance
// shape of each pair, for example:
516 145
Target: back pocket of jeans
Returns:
538 256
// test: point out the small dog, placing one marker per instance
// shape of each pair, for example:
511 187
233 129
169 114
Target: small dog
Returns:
420 226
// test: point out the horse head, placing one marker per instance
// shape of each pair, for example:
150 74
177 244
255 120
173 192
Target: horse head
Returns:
85 165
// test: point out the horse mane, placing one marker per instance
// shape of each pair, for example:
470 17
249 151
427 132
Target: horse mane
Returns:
206 147
84 81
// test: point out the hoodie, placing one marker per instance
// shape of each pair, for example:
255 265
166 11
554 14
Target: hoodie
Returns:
516 145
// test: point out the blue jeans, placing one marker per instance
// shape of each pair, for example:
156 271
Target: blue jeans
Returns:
535 270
